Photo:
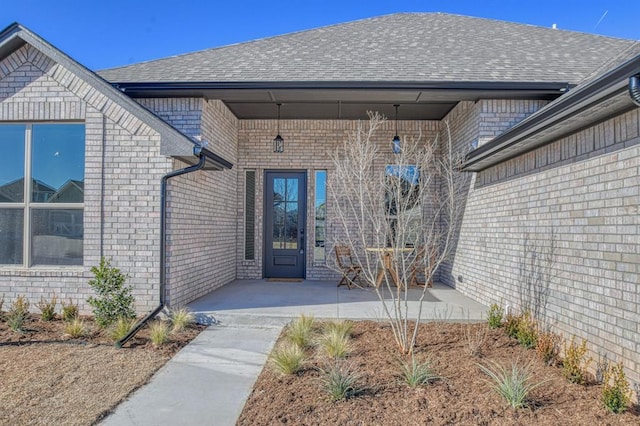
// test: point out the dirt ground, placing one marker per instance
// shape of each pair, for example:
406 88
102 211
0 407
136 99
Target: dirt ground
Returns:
461 397
47 378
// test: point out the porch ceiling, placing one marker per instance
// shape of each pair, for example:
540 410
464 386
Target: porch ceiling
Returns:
348 100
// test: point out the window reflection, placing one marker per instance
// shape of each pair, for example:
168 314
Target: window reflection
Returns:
57 237
402 203
285 213
57 162
320 209
11 228
12 137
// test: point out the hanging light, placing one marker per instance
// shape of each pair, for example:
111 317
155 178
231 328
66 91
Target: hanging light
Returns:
278 142
395 143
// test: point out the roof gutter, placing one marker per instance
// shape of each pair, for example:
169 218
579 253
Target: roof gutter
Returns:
202 155
554 87
599 90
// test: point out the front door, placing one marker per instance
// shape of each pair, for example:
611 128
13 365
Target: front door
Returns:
284 224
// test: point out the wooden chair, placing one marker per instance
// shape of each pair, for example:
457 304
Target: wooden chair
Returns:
419 266
350 269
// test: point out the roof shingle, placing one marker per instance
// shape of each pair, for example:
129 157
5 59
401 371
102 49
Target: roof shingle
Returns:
409 47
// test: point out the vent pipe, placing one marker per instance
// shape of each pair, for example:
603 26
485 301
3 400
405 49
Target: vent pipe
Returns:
634 89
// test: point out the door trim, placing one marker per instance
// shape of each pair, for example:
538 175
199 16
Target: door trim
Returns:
305 173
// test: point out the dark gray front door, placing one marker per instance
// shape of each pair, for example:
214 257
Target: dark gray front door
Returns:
284 224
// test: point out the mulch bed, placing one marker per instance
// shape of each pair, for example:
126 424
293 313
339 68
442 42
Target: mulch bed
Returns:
48 378
461 396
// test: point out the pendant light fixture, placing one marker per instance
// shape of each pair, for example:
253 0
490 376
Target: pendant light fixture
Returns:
395 143
278 142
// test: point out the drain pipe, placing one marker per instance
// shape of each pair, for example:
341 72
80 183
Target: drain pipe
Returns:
163 230
634 88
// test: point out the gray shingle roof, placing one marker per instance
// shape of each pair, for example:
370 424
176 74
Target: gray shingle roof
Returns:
400 47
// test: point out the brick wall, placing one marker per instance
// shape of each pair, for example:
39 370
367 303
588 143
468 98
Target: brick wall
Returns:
122 171
584 190
308 144
201 214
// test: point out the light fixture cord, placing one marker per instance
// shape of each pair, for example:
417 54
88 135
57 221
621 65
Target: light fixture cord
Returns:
396 119
278 119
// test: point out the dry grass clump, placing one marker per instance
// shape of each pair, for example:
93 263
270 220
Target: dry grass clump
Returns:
121 328
75 328
158 332
301 331
181 318
287 358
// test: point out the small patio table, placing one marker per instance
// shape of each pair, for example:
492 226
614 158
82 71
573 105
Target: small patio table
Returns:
387 263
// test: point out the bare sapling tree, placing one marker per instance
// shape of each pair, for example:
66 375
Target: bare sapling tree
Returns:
397 213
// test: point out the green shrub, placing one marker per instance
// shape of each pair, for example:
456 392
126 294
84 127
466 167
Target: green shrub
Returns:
527 333
495 315
114 299
334 343
75 328
121 327
287 358
69 311
47 309
616 393
574 364
300 331
339 381
18 314
513 384
415 374
159 332
181 318
548 347
511 325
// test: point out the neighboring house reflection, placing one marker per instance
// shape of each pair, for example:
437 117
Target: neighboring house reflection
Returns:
13 192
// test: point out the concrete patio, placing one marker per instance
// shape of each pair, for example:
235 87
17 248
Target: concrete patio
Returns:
276 303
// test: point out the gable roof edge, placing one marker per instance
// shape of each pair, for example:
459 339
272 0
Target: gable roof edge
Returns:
173 142
588 95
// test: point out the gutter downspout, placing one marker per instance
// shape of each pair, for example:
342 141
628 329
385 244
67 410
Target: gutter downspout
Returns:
163 230
634 88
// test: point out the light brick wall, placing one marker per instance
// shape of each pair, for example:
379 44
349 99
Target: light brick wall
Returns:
122 172
308 144
585 189
201 214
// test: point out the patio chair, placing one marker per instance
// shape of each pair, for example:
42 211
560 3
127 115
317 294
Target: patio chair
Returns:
350 269
419 266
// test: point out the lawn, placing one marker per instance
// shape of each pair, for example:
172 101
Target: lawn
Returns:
48 378
461 394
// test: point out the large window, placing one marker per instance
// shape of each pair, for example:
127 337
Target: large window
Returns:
320 208
41 194
402 203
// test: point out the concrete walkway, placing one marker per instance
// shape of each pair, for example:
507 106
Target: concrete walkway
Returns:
208 382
